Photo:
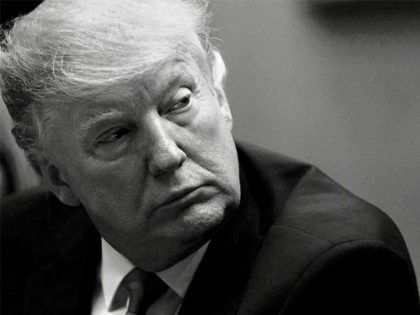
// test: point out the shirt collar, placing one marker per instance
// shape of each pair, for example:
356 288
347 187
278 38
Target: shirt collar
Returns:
114 267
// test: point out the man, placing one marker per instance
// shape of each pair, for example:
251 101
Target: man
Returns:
120 107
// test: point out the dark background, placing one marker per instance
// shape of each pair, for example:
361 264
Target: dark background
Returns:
12 9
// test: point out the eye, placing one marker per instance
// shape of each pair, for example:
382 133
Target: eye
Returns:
181 100
113 135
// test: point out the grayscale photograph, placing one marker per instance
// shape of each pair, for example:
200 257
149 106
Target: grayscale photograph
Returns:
209 157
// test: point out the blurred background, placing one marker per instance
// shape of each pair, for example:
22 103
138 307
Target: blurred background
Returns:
335 83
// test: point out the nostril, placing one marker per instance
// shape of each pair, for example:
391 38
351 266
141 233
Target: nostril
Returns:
166 160
182 158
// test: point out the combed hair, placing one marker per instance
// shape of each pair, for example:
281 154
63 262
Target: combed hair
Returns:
70 49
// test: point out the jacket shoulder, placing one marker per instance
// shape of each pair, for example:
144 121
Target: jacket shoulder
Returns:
319 232
31 221
34 212
324 209
45 245
302 198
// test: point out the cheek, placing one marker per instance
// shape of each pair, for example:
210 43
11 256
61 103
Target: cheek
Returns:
102 188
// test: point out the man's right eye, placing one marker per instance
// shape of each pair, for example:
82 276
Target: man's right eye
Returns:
113 135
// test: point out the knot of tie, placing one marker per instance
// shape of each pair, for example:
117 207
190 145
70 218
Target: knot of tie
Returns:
143 288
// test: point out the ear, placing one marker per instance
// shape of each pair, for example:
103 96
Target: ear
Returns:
57 183
218 75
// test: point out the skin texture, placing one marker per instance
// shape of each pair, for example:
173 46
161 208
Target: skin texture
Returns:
152 161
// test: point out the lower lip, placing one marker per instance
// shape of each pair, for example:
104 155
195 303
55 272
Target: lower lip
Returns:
196 196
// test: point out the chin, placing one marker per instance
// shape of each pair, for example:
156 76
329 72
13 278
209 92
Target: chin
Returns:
200 222
182 236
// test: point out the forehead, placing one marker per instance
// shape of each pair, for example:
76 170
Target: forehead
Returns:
156 80
128 97
150 84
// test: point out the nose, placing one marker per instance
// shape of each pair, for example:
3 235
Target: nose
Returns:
164 156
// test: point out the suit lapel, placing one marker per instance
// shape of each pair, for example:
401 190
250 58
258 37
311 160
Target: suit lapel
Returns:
65 285
221 278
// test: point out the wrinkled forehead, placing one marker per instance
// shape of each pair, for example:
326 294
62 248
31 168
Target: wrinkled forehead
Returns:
154 84
151 86
188 50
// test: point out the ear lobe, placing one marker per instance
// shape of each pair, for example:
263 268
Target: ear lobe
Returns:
219 74
58 184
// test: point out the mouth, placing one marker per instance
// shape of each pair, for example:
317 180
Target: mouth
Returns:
187 197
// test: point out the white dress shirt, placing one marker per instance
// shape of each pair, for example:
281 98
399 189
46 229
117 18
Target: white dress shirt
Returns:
114 267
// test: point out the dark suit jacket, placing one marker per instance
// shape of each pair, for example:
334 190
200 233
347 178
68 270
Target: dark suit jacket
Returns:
299 244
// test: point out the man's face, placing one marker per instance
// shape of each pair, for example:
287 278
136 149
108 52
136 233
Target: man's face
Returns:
152 161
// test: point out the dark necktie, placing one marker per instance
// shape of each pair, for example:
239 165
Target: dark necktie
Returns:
144 288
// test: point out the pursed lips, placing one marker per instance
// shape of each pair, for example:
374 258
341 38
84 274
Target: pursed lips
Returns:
180 196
